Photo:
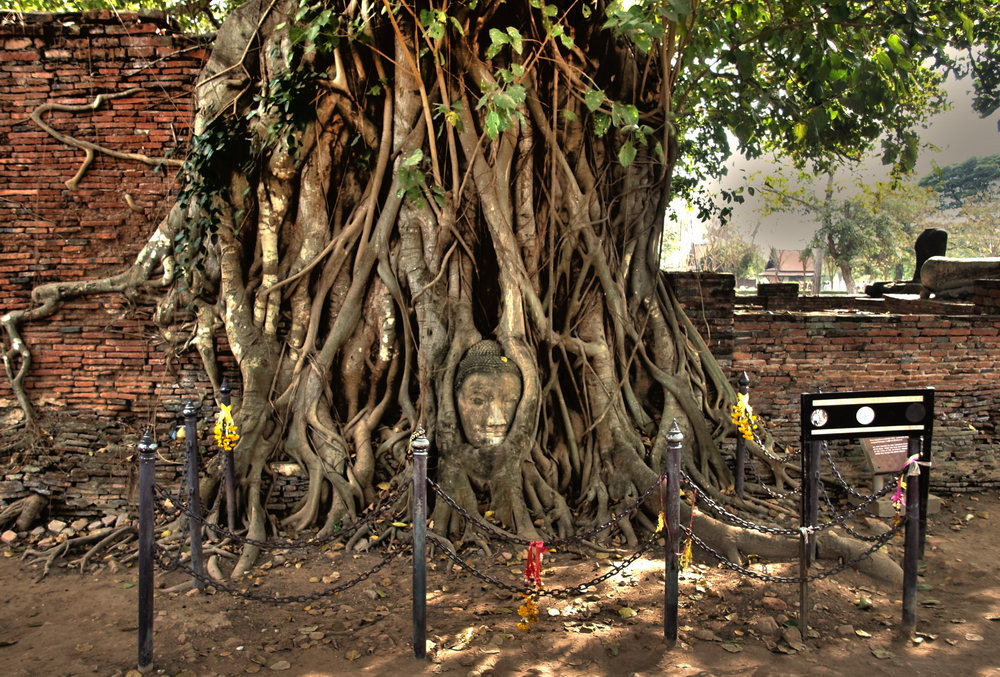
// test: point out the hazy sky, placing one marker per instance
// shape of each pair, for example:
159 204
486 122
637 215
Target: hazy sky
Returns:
959 134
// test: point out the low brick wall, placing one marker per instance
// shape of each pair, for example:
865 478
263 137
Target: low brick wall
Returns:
707 298
987 297
787 354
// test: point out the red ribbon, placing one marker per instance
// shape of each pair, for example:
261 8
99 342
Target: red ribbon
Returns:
533 564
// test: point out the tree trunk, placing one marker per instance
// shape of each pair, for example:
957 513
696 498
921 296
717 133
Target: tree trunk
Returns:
370 195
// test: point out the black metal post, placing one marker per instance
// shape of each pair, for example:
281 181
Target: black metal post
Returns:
741 445
815 454
911 553
925 481
194 492
147 477
225 398
419 445
808 522
673 519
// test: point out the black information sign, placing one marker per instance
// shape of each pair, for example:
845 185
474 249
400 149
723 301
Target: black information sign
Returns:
880 413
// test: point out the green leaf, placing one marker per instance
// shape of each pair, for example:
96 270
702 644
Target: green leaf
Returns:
515 39
499 39
967 26
435 31
884 60
594 98
602 123
627 154
503 100
569 115
492 124
800 131
896 44
681 7
623 115
414 159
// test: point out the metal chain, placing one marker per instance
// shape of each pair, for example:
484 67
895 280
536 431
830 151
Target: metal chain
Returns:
169 561
557 543
182 508
836 472
836 522
720 511
885 538
544 592
773 494
853 532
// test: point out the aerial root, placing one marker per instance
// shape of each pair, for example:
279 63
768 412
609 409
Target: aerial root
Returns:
102 538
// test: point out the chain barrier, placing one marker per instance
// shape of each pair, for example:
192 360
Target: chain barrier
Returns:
840 478
797 491
169 562
545 592
843 566
180 508
840 520
557 543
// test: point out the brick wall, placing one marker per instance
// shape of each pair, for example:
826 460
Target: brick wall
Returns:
97 373
99 354
707 298
987 297
787 354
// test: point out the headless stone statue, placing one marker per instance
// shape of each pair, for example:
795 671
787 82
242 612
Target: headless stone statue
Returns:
487 392
932 242
954 279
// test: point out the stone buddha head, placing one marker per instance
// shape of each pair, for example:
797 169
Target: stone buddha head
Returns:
487 392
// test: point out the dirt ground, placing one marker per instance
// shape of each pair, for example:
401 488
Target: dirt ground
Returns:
73 624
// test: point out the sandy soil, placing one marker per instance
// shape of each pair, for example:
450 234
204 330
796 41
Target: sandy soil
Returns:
84 624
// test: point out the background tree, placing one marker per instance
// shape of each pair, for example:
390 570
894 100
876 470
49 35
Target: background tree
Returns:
869 232
373 188
976 232
726 251
973 189
977 177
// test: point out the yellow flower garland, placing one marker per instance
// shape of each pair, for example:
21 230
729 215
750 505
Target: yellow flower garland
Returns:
743 417
226 432
528 611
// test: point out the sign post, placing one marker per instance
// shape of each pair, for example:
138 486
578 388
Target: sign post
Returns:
903 419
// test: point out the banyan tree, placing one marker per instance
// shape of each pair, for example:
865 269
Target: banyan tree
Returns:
452 215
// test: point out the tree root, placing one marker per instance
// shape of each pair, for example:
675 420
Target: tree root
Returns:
91 149
26 510
102 538
129 532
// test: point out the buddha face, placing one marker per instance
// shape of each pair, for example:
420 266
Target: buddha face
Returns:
486 405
